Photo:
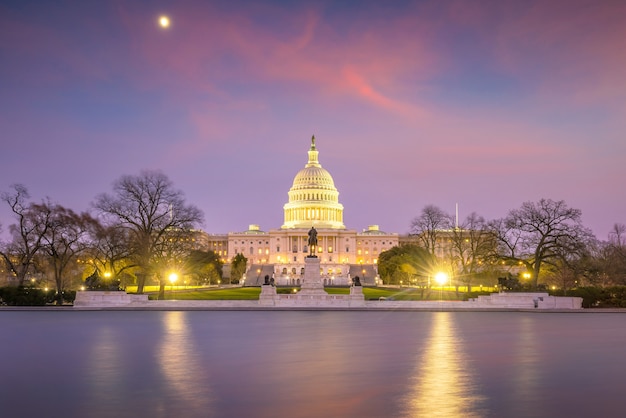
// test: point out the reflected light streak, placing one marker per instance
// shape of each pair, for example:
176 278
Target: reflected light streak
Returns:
180 366
444 385
527 355
105 366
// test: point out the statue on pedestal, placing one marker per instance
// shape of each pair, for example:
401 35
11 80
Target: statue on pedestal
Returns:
356 281
312 242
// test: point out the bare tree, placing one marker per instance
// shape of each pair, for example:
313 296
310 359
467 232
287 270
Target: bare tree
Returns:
170 256
617 236
472 244
110 251
429 225
611 259
27 234
148 207
66 238
539 234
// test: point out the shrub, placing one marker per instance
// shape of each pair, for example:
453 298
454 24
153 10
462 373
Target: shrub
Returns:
601 297
23 296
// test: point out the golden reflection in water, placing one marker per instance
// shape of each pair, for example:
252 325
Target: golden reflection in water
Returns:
526 368
443 383
182 371
105 365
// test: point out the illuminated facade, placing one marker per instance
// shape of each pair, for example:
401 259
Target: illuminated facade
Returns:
279 253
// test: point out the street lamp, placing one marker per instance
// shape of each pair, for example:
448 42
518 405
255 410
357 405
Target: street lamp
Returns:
441 278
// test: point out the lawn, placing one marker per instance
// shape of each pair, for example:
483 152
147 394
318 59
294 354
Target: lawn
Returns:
231 293
252 293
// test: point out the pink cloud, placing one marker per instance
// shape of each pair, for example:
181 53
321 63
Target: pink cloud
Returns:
572 49
206 48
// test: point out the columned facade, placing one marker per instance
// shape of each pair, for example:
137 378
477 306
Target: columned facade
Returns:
313 200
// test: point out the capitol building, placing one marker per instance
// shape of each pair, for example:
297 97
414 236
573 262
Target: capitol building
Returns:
280 253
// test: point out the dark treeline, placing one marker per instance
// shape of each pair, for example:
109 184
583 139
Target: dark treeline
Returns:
144 232
540 245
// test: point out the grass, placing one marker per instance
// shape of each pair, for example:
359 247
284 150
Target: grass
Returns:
151 289
234 293
252 293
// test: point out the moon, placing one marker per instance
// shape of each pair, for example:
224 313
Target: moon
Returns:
164 22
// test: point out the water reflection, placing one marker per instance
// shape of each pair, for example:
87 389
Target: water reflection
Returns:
527 357
443 383
185 377
104 366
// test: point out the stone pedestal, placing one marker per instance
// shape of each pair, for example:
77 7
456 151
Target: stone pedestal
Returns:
312 280
268 295
356 296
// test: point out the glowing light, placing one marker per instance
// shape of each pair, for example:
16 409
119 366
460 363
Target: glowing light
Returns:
164 21
107 274
441 278
173 277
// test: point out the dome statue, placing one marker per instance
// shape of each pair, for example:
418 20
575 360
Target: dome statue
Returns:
313 197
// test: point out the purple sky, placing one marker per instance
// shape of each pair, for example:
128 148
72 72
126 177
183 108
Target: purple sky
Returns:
484 103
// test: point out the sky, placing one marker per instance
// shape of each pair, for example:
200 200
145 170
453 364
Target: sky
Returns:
486 103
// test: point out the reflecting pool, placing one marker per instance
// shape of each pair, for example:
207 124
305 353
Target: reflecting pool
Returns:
311 364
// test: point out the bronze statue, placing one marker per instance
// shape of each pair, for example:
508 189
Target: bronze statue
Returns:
312 241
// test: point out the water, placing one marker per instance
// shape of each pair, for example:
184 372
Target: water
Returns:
311 364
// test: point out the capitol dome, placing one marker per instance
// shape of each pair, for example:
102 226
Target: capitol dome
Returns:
313 197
